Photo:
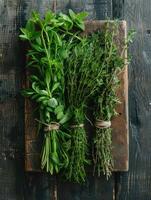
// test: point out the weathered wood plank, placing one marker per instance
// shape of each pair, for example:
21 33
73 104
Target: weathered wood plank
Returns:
136 183
94 189
11 108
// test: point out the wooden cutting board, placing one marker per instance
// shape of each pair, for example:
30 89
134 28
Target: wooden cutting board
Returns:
120 134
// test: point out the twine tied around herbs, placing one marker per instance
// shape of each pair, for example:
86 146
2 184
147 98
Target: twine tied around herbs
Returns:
49 127
101 124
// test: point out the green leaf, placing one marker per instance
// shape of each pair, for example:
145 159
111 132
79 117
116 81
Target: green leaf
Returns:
26 34
38 40
49 109
45 102
27 92
66 118
44 92
52 103
55 86
65 17
33 78
35 96
47 115
44 60
82 15
47 77
57 39
24 37
67 22
35 17
37 48
59 108
63 53
80 25
56 168
31 63
35 87
49 16
72 14
42 99
51 168
60 115
30 26
55 158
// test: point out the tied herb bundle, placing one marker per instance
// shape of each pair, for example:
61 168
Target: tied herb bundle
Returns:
113 63
47 48
83 75
67 70
106 101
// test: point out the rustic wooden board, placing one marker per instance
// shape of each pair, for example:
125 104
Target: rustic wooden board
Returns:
119 124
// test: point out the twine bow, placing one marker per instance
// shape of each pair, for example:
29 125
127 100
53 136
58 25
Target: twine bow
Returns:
102 124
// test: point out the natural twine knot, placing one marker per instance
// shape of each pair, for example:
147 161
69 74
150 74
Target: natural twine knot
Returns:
49 127
101 124
52 126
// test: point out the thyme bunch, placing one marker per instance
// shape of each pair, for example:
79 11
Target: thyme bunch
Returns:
107 100
83 75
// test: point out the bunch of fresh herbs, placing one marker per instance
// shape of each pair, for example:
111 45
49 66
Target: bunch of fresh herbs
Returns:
84 74
106 100
67 70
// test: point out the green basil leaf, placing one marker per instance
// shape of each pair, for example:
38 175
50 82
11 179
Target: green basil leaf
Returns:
66 118
44 92
72 14
60 115
41 99
52 103
59 108
55 86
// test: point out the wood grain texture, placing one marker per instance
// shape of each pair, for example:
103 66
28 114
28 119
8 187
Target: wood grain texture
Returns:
136 184
11 105
94 189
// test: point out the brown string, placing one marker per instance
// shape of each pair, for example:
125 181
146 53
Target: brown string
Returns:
101 124
52 126
49 127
